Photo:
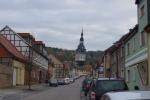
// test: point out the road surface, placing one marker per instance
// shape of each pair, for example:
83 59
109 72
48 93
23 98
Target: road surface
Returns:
63 92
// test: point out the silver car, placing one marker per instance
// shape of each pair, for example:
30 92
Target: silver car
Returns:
128 95
53 82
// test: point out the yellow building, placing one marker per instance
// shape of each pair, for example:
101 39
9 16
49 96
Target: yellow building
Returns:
18 73
107 62
12 64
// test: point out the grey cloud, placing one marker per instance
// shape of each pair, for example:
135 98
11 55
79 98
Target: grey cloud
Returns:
59 23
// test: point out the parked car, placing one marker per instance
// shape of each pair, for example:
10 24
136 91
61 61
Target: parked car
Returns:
76 77
53 82
104 85
71 80
86 84
61 81
66 80
130 95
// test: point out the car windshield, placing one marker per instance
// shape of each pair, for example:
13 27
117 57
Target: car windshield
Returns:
110 85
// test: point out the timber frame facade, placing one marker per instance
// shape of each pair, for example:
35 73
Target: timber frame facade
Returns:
34 60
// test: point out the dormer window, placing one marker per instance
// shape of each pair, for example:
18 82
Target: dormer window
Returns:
142 11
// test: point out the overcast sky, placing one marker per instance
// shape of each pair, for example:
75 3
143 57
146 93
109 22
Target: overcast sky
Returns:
59 22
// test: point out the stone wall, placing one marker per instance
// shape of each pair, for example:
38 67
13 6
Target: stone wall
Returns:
6 76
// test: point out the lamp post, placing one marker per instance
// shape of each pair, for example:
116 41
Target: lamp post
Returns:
30 67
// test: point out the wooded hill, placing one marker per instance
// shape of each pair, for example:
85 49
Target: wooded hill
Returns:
69 55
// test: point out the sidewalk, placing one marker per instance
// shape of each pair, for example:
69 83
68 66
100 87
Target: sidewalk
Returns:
21 89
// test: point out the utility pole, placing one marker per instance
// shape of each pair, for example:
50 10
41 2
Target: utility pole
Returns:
29 83
30 64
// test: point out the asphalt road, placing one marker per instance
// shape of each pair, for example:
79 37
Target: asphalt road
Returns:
13 95
64 92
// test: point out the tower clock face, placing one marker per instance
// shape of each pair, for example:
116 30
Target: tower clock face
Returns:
80 57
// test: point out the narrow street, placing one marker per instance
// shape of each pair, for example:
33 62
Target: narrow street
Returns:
64 92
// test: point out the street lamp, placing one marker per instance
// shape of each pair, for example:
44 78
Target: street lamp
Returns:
30 67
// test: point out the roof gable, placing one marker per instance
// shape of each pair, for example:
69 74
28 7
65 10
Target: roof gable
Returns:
11 48
55 60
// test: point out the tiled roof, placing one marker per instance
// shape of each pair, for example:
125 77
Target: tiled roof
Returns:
81 48
54 60
38 42
11 48
24 34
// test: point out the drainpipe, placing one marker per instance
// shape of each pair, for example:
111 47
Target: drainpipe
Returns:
30 65
30 62
148 60
117 63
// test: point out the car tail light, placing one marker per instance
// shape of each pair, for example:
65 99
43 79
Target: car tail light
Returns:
93 95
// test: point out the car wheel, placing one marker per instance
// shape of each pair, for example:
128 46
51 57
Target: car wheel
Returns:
50 84
85 93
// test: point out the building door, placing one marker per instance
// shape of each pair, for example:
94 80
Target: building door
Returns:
40 76
14 76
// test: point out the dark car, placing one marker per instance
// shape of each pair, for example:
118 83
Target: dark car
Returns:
104 85
61 81
86 84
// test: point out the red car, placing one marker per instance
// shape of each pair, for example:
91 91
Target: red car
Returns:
86 85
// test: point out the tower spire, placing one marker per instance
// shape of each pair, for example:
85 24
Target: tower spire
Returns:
82 32
82 39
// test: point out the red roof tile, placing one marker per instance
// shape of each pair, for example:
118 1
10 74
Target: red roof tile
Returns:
11 48
38 42
24 34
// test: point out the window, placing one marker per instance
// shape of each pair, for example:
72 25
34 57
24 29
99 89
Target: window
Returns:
134 41
121 51
5 61
34 74
128 76
114 56
134 74
128 48
109 85
122 73
143 38
1 46
142 11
